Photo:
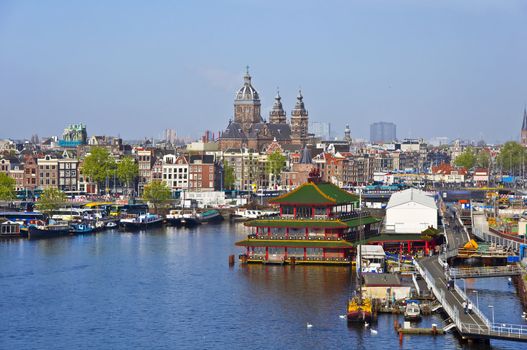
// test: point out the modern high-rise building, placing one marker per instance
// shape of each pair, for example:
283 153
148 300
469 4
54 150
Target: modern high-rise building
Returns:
381 132
321 130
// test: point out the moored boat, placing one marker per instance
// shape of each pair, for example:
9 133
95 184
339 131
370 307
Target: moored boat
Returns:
48 231
141 222
360 309
210 216
79 229
412 312
173 218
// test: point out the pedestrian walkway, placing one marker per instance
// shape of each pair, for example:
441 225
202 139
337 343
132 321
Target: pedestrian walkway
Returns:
472 325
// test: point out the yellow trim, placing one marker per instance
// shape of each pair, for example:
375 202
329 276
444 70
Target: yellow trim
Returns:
300 187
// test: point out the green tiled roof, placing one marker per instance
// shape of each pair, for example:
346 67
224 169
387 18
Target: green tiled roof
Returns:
316 194
294 243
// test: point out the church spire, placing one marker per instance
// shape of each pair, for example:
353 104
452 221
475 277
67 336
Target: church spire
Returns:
524 125
277 114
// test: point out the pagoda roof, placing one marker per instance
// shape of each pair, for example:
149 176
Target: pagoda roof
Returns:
315 243
312 193
312 223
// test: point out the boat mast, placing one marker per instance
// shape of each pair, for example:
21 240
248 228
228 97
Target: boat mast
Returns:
359 261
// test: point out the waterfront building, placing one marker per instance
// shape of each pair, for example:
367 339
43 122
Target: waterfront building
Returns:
68 173
318 223
411 211
31 173
382 132
249 168
48 172
447 173
175 171
204 173
145 160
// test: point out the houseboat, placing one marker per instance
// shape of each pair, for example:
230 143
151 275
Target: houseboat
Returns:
412 312
53 229
141 222
210 216
317 223
9 229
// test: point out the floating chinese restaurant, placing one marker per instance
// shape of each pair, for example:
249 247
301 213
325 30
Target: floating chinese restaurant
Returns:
318 224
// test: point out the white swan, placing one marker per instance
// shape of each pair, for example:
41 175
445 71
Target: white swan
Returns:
366 324
309 325
342 316
373 331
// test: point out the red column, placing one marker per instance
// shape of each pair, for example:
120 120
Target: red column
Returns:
269 232
324 253
409 246
328 211
287 232
313 212
307 232
280 210
266 253
426 248
285 253
305 254
294 212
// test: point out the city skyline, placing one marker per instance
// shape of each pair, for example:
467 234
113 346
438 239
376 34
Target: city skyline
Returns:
142 69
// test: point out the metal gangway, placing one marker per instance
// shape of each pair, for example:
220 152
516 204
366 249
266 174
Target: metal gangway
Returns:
473 325
486 271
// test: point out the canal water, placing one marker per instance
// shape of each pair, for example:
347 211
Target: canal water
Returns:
172 288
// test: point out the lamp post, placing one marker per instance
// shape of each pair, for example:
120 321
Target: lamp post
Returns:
492 308
477 298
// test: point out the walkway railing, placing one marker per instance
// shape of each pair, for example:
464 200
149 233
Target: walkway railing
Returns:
503 330
487 271
475 310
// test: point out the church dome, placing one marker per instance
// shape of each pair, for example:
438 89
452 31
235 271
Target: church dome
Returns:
247 91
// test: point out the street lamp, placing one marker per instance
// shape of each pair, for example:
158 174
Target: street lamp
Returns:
477 298
492 308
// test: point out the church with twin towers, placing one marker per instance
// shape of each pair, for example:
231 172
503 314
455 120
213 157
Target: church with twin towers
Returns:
249 130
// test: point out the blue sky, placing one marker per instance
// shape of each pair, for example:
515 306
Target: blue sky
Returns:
435 68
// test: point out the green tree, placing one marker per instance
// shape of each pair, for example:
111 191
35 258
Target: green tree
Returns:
50 200
98 165
157 193
127 170
467 159
275 164
483 159
228 176
7 187
512 157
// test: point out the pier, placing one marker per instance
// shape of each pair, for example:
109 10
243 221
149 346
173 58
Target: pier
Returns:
469 325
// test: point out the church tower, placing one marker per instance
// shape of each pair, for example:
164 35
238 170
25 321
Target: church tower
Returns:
277 114
524 128
347 134
247 105
299 121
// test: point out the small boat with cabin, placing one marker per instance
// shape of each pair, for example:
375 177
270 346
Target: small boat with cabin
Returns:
412 312
141 222
81 229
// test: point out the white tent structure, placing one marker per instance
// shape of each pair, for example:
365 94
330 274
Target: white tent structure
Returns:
410 211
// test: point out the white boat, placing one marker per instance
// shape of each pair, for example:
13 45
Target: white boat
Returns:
142 221
412 312
248 214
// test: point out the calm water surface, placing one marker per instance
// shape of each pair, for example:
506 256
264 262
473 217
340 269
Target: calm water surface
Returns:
172 289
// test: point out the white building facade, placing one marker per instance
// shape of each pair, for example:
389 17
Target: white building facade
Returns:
411 211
